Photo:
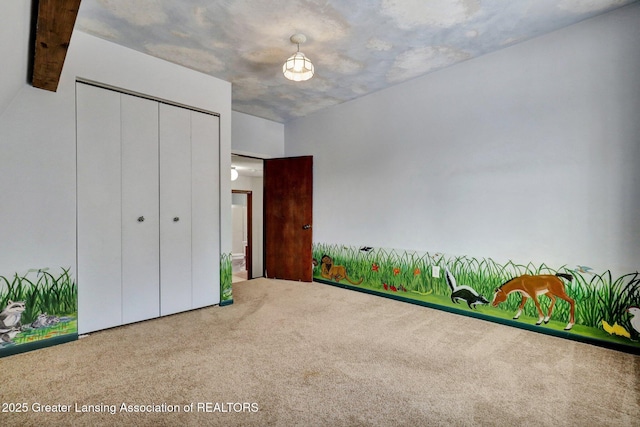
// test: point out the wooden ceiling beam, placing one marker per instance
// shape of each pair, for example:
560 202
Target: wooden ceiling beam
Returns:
54 26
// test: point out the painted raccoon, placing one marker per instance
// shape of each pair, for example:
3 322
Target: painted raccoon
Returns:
10 321
10 316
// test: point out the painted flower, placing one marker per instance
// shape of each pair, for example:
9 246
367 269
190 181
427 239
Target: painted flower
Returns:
416 272
375 267
386 287
396 271
394 289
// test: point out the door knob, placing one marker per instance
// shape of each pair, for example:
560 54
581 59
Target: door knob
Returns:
306 226
140 219
176 219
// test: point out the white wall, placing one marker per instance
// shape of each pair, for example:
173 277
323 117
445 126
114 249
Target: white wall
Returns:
239 229
256 137
38 146
15 19
530 154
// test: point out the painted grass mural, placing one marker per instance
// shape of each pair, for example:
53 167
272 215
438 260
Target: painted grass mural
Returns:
605 308
226 272
36 306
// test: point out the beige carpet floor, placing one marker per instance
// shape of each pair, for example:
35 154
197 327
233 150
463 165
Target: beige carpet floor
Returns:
307 354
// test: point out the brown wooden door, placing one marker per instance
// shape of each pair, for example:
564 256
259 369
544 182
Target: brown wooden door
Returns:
288 191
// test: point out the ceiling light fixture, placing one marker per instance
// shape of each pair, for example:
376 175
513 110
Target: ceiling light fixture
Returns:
234 173
298 67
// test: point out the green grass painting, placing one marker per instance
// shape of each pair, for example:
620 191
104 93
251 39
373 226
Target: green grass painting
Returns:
601 300
31 335
225 278
43 293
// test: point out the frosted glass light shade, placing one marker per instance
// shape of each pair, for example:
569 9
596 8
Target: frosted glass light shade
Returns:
298 68
234 174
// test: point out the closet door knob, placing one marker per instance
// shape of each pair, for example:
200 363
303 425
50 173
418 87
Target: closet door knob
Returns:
140 219
176 219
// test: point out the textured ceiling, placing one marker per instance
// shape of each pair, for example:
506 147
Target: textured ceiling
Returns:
357 47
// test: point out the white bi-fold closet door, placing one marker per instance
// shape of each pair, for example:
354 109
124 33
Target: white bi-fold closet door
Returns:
148 208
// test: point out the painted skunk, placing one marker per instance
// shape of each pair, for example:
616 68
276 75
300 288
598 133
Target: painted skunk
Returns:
464 293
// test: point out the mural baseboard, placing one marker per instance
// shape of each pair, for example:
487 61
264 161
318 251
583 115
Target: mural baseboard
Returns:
578 303
37 345
226 302
37 309
528 327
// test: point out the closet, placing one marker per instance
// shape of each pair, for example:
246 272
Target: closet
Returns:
148 208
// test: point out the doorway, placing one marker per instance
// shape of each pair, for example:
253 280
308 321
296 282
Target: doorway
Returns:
242 235
286 243
247 187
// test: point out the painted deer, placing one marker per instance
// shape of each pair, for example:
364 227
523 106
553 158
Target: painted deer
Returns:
532 287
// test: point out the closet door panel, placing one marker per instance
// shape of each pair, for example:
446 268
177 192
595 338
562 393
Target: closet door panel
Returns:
98 208
175 209
140 210
205 176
